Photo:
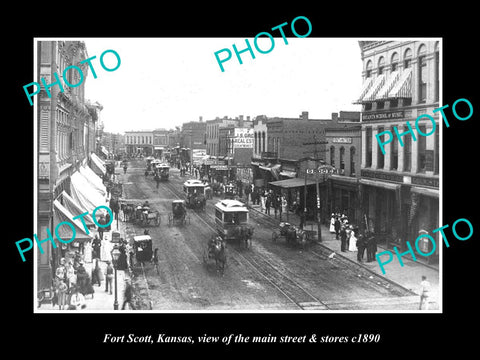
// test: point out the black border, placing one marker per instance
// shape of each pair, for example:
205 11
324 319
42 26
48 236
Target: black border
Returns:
399 332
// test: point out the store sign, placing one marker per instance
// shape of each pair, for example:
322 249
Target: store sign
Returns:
243 138
342 140
383 115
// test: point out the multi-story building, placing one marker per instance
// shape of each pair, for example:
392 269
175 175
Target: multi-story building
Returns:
213 134
139 142
193 135
66 136
343 152
400 189
160 142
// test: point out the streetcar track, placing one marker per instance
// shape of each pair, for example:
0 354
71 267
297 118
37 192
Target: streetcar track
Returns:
288 287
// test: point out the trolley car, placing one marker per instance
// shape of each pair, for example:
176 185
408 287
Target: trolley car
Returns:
231 221
194 191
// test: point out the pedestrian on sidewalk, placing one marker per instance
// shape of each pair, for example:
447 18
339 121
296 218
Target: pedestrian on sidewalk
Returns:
352 240
343 238
97 275
361 246
332 223
109 277
425 293
96 245
128 295
337 227
268 203
371 247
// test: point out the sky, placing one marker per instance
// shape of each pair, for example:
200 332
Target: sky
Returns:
164 82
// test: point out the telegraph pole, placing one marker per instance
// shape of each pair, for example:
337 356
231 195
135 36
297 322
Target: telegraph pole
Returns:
315 152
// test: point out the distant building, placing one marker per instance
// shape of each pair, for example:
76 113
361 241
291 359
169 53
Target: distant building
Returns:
139 142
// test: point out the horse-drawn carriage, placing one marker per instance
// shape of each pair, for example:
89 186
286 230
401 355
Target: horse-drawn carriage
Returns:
231 222
293 234
178 214
139 214
194 191
142 247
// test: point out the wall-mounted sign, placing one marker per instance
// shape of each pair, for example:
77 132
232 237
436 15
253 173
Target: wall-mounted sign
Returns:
342 140
383 115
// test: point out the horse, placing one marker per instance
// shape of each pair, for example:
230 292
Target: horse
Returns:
216 251
244 234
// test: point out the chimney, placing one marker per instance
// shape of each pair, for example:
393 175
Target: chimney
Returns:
304 115
248 118
201 118
335 116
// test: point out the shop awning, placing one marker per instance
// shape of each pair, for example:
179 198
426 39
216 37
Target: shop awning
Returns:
365 87
274 169
98 165
425 191
389 84
292 183
403 87
376 86
104 151
381 184
61 214
85 195
93 179
74 208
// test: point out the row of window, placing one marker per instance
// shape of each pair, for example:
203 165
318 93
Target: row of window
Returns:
341 165
422 77
427 160
138 139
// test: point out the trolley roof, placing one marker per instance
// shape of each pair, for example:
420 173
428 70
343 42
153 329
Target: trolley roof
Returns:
230 205
195 183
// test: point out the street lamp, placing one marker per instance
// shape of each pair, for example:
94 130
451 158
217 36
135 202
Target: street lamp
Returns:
115 255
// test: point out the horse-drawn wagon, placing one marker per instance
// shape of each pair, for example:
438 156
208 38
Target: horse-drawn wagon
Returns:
178 214
292 234
231 222
142 247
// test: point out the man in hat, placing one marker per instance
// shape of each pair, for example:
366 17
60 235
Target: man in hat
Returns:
343 238
109 277
128 295
425 293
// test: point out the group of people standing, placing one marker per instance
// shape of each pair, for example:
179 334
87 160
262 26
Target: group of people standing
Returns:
352 239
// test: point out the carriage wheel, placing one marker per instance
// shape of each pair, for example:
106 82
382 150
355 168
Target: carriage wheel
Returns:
275 236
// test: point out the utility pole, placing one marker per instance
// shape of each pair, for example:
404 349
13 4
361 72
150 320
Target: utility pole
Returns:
315 152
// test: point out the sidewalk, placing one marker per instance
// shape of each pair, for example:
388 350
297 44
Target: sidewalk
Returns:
409 276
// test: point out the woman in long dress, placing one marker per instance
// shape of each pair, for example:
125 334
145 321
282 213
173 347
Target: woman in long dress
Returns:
352 246
332 224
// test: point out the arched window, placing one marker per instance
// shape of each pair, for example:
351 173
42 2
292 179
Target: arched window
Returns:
368 69
407 58
394 62
381 65
422 74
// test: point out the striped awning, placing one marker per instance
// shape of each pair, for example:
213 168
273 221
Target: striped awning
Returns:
403 87
365 87
389 84
376 86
